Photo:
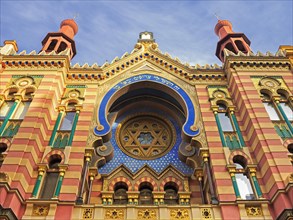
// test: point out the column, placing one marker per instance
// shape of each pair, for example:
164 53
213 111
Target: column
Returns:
57 124
284 116
205 156
220 128
59 183
232 171
92 174
41 172
199 177
252 172
235 122
87 159
73 128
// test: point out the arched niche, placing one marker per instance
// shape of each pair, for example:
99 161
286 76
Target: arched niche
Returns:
168 91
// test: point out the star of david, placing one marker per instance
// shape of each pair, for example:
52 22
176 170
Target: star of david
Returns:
145 137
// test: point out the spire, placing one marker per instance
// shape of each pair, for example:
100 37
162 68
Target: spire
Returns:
63 39
230 40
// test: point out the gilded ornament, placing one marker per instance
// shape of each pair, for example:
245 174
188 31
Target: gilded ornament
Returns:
114 214
40 210
253 211
206 213
88 213
181 214
149 214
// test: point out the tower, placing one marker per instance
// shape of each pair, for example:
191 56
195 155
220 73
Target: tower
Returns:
63 39
230 40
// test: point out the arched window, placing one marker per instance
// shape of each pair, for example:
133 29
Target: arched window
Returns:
287 108
240 45
67 121
65 127
145 194
120 193
51 178
280 113
62 47
171 193
242 180
5 109
230 47
52 45
269 106
224 118
3 148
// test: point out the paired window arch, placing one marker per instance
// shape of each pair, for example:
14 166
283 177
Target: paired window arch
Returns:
65 127
51 178
13 111
242 179
280 112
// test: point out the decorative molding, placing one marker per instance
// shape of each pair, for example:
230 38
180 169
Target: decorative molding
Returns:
114 214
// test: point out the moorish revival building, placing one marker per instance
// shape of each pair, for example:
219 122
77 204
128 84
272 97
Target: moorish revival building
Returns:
146 136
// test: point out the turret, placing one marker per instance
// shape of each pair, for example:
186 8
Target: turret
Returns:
63 39
230 40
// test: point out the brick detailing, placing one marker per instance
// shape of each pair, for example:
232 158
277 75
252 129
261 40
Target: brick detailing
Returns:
146 179
120 179
171 179
241 153
58 152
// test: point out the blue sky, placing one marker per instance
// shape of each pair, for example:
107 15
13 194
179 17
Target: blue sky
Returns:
184 29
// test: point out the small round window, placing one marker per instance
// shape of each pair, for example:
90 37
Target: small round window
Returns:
145 136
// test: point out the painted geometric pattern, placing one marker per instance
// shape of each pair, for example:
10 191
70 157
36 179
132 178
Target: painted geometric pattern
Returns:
158 164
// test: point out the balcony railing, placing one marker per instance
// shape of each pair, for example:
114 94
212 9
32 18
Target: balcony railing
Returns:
282 129
232 140
62 138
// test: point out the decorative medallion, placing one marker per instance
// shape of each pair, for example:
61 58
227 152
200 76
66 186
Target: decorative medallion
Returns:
114 214
41 210
87 213
149 214
181 214
24 81
145 136
206 213
253 211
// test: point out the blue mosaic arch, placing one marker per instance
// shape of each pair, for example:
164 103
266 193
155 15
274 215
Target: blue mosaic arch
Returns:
104 127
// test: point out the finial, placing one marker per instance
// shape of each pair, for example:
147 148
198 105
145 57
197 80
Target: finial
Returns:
76 15
218 17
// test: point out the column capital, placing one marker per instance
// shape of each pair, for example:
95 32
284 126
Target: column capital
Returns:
276 98
93 172
18 97
61 108
251 169
62 168
231 169
88 153
215 109
231 109
78 107
198 173
204 153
